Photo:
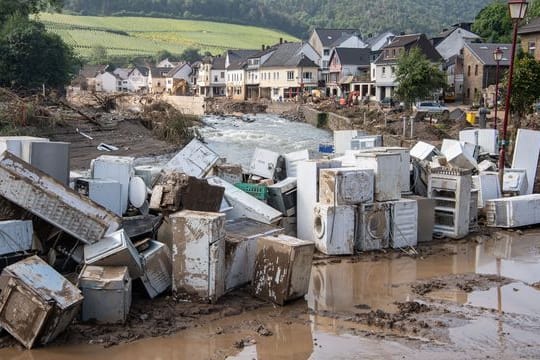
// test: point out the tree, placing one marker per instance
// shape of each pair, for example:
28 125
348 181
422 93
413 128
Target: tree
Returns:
525 85
30 57
26 7
417 77
493 23
190 55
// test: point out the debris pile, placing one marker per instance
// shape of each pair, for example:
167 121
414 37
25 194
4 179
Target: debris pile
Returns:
198 227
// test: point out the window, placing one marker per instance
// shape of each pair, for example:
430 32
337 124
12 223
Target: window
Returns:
384 70
373 73
215 78
276 91
307 76
393 69
326 52
290 75
532 47
393 52
223 74
469 70
475 69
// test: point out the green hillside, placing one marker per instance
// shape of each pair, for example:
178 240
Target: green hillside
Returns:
130 36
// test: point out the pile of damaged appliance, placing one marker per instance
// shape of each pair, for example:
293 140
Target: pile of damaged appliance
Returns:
199 227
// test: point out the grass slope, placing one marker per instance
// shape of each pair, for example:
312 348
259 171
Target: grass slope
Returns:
126 36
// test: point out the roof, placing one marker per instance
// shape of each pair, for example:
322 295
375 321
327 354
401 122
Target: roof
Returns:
484 53
289 55
532 27
177 68
142 69
371 41
329 36
353 56
91 71
122 73
159 72
218 63
238 58
408 42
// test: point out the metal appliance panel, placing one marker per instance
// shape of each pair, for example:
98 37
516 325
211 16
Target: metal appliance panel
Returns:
52 158
15 236
55 203
195 159
403 223
105 192
346 186
526 153
373 227
157 268
119 168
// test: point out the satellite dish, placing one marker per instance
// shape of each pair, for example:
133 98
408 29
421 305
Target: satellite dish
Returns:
137 191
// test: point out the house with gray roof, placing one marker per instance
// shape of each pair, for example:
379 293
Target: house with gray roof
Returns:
236 62
530 36
385 67
211 78
349 70
290 70
479 69
324 40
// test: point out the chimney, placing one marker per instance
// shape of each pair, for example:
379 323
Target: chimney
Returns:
280 40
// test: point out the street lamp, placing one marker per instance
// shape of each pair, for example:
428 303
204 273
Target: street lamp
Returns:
497 56
517 8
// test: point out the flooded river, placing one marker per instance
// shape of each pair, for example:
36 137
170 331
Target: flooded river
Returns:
469 312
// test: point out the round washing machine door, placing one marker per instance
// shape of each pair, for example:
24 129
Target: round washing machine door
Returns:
319 227
377 224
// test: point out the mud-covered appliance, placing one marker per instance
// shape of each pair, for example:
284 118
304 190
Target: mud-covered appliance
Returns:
403 223
372 226
366 142
486 139
267 164
487 184
514 211
334 229
346 186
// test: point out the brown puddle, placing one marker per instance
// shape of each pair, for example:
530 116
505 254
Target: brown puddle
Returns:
501 321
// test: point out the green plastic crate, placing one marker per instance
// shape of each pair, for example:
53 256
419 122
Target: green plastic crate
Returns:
258 191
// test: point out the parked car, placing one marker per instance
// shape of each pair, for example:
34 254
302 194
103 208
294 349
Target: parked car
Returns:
391 104
431 107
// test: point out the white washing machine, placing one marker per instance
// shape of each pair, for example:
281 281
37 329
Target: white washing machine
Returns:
333 229
373 226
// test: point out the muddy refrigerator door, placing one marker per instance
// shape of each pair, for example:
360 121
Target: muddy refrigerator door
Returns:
198 254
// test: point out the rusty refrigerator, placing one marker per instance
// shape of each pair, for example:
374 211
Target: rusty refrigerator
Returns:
198 254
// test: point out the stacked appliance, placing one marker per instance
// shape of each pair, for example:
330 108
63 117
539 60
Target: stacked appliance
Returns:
339 191
451 190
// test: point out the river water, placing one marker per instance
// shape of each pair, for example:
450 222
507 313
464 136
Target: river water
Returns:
236 140
497 322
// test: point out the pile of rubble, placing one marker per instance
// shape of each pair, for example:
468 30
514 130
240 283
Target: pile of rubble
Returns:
199 227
